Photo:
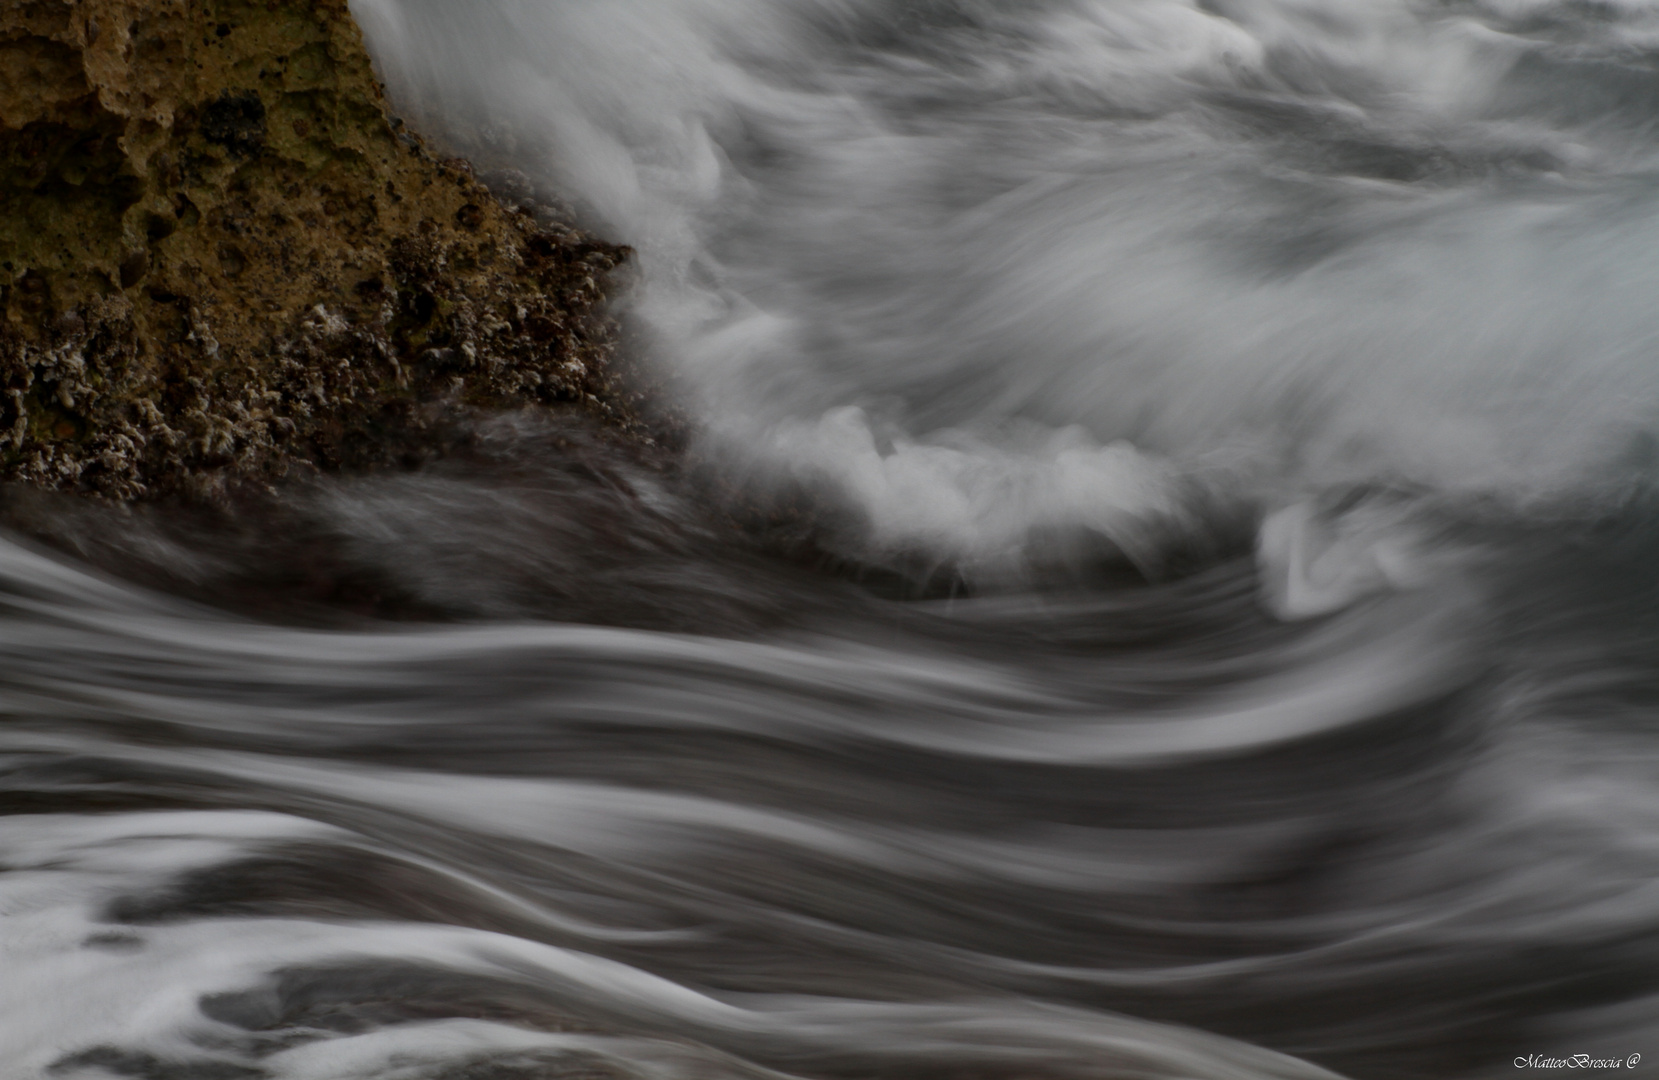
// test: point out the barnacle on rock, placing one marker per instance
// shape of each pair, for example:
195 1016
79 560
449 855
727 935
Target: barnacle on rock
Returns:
220 260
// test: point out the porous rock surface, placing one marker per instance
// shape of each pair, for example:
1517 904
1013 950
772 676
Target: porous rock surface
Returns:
222 260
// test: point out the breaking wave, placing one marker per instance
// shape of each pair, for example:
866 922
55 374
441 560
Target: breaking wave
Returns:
1160 583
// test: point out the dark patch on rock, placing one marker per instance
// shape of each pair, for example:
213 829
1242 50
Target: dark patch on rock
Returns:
236 121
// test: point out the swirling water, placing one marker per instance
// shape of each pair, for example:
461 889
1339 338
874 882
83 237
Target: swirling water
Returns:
1162 584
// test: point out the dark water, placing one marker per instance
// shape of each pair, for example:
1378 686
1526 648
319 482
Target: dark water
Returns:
1164 585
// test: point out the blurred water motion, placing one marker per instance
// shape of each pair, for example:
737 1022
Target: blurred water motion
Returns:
1162 585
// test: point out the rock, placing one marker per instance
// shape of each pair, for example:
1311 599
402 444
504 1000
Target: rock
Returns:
221 260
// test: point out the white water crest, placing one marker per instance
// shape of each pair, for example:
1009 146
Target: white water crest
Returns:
1272 247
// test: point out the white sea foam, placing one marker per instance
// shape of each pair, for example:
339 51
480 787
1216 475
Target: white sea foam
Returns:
1309 245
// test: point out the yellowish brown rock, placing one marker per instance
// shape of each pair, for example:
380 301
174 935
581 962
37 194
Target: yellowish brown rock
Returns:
220 259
